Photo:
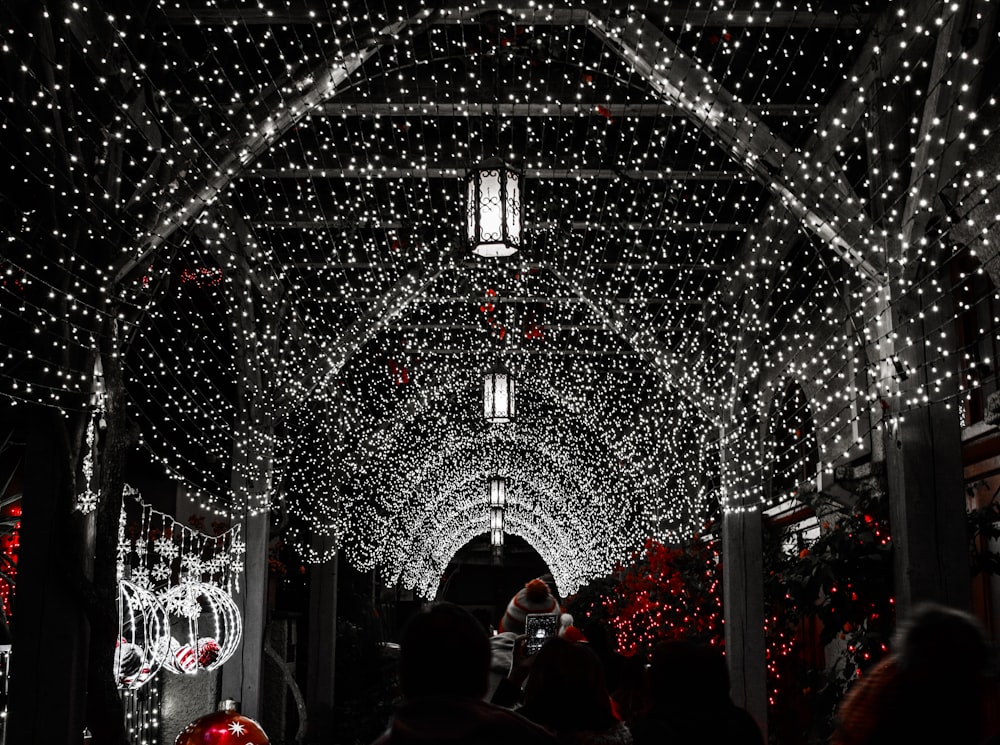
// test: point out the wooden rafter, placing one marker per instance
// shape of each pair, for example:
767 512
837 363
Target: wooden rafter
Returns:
774 17
816 193
459 171
315 87
562 227
533 109
952 94
674 365
379 310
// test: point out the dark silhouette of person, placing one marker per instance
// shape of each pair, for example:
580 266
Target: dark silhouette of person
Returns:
689 700
444 662
567 694
931 689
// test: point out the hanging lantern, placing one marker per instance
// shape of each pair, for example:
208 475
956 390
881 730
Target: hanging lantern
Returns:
498 492
493 207
143 635
498 396
496 524
205 627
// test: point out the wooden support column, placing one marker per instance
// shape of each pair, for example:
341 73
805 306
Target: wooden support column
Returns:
743 602
743 566
241 675
321 663
250 486
924 468
923 436
50 628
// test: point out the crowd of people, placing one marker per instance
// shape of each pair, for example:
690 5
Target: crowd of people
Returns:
460 685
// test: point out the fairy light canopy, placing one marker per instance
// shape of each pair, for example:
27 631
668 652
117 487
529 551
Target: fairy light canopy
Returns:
710 195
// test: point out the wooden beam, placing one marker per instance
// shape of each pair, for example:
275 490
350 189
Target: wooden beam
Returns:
539 352
816 193
321 14
676 368
203 189
418 298
568 226
952 95
630 262
459 172
378 312
743 606
894 37
473 109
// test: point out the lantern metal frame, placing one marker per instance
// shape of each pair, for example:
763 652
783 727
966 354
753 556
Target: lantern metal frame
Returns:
499 404
494 217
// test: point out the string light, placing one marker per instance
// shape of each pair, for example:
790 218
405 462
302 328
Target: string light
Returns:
698 217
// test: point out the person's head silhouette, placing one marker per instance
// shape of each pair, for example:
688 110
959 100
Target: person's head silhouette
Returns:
444 652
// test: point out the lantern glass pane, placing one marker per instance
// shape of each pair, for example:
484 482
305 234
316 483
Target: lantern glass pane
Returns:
496 537
491 206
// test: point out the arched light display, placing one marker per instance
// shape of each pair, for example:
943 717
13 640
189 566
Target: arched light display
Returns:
733 275
493 209
499 405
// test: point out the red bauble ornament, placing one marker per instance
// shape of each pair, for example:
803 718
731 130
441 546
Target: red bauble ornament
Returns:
223 727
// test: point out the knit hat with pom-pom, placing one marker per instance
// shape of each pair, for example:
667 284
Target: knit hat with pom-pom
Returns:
533 598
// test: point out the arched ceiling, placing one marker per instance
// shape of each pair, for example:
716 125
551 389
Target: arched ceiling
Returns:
701 204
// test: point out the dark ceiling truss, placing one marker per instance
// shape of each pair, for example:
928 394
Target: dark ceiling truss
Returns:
726 119
741 139
563 227
341 108
310 14
460 171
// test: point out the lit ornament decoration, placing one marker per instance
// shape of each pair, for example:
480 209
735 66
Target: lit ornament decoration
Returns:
143 636
223 727
205 627
493 210
499 402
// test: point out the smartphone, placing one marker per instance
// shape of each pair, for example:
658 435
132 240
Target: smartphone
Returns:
539 627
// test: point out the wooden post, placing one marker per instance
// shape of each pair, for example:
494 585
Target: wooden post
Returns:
743 570
926 485
241 676
743 602
321 664
50 628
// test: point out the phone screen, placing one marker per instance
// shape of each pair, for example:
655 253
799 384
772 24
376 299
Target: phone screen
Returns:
539 627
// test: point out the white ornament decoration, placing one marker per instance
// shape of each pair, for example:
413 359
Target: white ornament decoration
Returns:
143 632
205 627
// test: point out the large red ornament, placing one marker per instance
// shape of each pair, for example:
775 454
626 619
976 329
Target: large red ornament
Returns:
223 727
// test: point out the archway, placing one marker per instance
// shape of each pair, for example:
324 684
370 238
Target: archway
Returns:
473 580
